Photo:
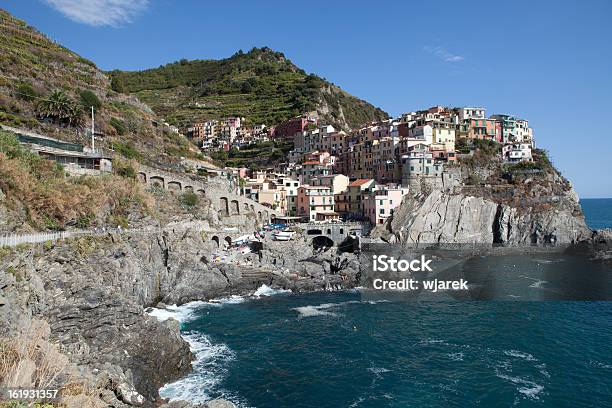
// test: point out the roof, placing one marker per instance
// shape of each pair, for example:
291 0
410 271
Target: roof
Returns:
360 182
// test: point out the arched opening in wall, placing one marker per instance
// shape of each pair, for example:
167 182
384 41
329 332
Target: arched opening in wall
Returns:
215 240
188 188
322 242
245 207
329 231
142 177
252 208
228 241
234 207
223 206
201 192
156 181
259 215
266 216
314 232
341 231
174 186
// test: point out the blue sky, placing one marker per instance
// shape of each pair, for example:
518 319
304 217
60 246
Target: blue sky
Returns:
546 61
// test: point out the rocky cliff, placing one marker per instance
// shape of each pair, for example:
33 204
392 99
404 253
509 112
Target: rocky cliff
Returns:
93 291
440 217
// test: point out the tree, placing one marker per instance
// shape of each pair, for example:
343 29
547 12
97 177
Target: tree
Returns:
117 84
59 107
89 99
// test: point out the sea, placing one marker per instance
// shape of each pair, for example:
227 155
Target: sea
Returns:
536 333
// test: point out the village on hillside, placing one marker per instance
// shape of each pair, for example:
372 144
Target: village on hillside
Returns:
332 175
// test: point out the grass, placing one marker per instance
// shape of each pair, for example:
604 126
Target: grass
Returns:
29 360
40 190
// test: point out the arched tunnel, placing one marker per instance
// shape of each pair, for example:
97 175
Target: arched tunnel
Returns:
322 242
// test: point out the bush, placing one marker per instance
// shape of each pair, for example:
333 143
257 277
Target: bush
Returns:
124 169
189 199
119 125
127 150
26 92
89 99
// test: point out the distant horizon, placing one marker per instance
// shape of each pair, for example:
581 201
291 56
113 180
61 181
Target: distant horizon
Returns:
393 61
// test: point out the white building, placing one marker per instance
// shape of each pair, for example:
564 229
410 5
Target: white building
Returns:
517 152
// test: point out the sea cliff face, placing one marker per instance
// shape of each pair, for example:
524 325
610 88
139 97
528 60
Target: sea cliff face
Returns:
439 217
93 291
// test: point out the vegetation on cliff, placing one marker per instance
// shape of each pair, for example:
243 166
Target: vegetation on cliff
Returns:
261 85
49 89
40 195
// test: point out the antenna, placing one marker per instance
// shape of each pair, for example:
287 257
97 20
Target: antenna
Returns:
93 146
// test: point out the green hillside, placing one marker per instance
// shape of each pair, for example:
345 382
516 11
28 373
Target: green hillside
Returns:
49 89
261 85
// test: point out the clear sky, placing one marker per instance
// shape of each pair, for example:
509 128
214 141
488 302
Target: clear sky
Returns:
546 61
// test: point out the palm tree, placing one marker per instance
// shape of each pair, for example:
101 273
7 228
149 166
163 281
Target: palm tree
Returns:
61 108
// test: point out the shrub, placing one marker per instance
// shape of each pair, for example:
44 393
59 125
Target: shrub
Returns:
127 150
189 199
119 125
89 99
26 92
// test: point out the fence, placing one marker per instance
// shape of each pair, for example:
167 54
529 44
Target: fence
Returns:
11 240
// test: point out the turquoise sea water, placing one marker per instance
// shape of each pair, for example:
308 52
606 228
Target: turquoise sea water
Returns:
535 332
597 212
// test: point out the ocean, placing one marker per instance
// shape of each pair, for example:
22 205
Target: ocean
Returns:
538 333
597 212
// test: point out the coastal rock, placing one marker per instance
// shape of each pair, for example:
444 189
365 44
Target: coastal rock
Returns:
93 292
220 403
444 218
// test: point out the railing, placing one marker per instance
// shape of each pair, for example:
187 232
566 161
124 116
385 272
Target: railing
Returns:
12 240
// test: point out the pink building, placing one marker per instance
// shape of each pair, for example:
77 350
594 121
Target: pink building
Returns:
315 202
378 205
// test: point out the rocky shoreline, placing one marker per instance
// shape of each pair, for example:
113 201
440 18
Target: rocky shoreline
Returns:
92 292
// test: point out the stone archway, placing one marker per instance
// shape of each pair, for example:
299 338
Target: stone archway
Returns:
157 181
215 239
228 240
223 206
234 207
142 177
245 207
322 241
188 188
174 185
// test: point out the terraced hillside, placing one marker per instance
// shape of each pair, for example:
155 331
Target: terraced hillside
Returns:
47 88
261 85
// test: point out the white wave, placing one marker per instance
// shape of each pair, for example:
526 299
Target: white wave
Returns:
548 261
209 369
265 290
321 310
531 391
524 386
181 313
455 356
538 284
378 370
520 354
229 300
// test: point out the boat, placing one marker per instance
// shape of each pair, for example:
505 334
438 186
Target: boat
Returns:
284 235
